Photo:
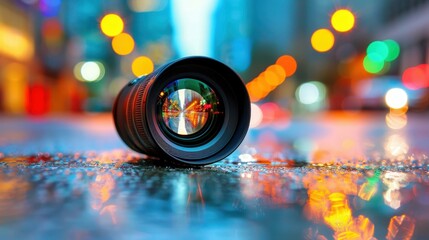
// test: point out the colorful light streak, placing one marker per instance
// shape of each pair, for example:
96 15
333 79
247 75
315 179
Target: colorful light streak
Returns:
271 78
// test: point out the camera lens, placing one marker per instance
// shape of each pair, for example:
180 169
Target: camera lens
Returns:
192 111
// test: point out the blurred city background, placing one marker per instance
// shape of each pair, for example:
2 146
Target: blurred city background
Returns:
63 56
307 170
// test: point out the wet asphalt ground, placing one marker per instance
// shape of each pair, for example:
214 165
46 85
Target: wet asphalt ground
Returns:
325 176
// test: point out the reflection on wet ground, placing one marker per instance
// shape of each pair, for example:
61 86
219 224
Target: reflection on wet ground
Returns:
315 181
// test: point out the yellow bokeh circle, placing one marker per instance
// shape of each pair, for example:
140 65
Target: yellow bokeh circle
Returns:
322 40
112 25
142 66
343 20
123 44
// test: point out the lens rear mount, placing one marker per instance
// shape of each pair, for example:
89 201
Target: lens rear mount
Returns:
192 111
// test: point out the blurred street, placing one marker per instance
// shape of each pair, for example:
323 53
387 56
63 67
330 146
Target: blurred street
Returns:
332 175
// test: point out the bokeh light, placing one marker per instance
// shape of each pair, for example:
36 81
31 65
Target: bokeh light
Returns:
257 89
142 66
20 48
91 71
311 92
343 20
112 25
13 79
378 48
396 98
379 56
308 93
262 83
322 40
416 77
274 75
50 8
373 63
123 44
76 71
52 31
393 50
256 115
37 99
288 63
270 111
268 80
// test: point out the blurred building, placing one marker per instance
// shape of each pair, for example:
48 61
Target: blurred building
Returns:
407 22
17 48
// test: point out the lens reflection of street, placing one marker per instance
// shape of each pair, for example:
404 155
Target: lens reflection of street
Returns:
310 179
185 122
185 111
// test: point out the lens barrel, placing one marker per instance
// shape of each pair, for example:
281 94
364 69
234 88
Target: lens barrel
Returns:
192 111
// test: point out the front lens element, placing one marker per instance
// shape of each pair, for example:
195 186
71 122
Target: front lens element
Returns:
187 105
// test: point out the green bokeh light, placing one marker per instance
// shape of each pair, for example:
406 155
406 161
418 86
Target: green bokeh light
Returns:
393 50
373 63
378 47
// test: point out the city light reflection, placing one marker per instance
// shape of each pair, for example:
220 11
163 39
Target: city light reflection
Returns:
396 146
13 191
328 203
394 182
101 192
396 121
401 227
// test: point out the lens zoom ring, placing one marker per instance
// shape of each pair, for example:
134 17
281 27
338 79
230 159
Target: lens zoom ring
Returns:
120 116
140 118
130 121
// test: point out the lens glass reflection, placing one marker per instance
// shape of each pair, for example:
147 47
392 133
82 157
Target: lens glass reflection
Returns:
187 106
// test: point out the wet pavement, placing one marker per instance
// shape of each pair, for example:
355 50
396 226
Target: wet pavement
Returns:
326 176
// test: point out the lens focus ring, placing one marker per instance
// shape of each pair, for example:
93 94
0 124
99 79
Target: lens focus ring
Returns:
192 111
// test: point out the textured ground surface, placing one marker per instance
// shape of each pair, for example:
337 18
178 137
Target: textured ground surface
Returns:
337 175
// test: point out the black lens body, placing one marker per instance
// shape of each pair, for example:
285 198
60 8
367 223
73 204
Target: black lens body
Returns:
193 111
